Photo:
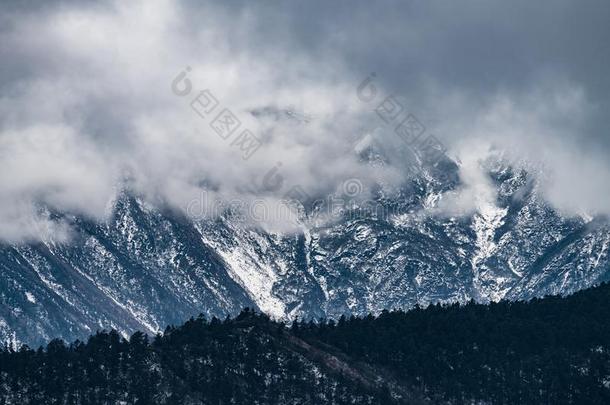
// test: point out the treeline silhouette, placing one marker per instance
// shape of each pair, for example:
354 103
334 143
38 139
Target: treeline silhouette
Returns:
547 351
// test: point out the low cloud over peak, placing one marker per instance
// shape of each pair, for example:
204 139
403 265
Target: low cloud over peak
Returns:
90 92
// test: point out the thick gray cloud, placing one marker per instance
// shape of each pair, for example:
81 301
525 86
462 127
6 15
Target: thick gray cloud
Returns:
85 95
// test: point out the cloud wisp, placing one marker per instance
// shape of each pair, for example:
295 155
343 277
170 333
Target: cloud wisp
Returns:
86 101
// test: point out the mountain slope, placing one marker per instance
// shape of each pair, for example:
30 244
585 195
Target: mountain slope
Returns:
149 265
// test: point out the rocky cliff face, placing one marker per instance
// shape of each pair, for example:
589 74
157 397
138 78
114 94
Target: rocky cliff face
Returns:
149 265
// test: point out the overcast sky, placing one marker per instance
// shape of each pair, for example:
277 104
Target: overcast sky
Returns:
86 98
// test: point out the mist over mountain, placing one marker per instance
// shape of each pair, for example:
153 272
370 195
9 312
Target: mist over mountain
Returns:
313 162
151 265
94 93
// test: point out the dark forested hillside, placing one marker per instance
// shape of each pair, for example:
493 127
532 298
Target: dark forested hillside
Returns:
550 351
245 360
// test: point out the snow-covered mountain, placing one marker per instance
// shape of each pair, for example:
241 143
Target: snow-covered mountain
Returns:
150 265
